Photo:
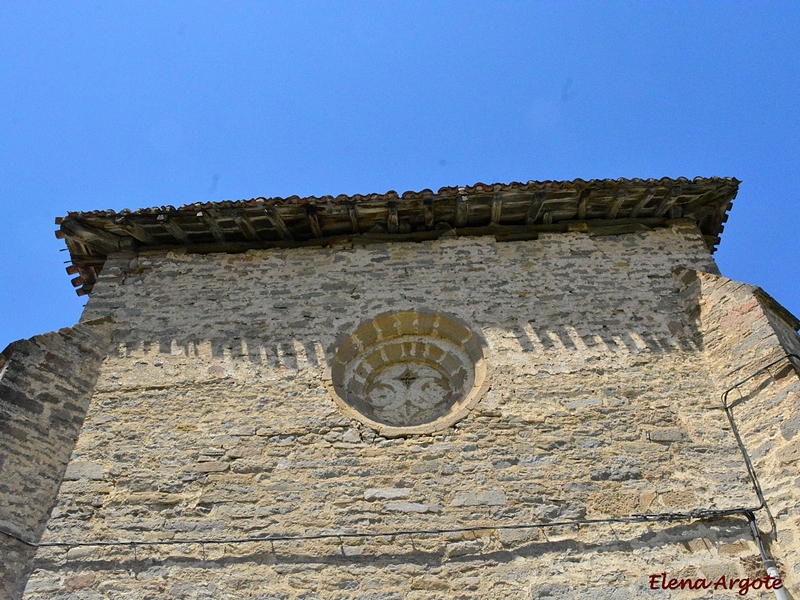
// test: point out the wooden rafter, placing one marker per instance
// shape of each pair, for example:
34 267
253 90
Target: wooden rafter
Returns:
462 209
276 220
313 221
619 199
535 207
497 208
649 195
137 231
94 237
352 212
245 225
173 228
427 209
667 202
540 206
583 201
211 221
392 222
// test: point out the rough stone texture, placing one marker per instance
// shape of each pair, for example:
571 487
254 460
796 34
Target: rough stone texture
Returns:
45 388
211 420
742 336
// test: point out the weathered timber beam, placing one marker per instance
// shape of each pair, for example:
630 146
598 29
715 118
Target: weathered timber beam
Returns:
85 282
427 208
535 207
521 236
504 231
135 230
642 203
173 228
277 222
392 223
583 200
462 208
710 201
667 202
711 242
313 221
96 238
619 199
352 212
83 261
497 209
615 228
245 225
210 221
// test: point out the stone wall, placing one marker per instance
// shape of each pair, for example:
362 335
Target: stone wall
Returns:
744 331
45 388
211 420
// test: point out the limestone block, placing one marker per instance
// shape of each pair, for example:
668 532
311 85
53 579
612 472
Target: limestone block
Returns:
412 507
667 434
386 493
482 498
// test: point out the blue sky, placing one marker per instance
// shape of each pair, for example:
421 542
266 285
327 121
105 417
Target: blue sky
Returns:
118 104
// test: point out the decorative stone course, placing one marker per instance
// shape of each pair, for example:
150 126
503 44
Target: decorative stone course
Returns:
211 419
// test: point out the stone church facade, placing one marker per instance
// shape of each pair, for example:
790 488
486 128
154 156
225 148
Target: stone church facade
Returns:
541 390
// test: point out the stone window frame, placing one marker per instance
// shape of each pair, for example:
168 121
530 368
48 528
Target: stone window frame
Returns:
414 322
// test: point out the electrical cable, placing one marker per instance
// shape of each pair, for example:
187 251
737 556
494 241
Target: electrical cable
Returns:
699 514
748 463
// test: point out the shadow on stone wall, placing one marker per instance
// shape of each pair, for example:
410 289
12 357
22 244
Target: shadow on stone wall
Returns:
403 549
295 352
46 383
748 339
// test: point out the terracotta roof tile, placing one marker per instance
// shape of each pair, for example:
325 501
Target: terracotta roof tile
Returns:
511 211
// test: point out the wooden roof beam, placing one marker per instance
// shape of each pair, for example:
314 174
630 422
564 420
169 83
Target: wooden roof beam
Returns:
173 228
583 201
619 200
651 192
133 229
462 208
245 225
392 221
313 221
497 209
535 207
427 209
210 221
352 212
276 220
668 202
97 238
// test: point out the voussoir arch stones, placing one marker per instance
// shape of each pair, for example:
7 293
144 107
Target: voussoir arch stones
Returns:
409 372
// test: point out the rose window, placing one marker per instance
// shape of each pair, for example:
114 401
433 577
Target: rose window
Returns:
409 372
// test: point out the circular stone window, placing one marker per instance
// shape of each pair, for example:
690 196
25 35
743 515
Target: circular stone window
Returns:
409 372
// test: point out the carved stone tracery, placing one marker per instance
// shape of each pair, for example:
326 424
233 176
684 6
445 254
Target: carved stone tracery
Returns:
409 372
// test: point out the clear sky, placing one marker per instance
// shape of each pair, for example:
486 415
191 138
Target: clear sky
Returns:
136 104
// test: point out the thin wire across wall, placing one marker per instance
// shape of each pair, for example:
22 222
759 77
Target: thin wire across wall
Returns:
699 514
695 515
